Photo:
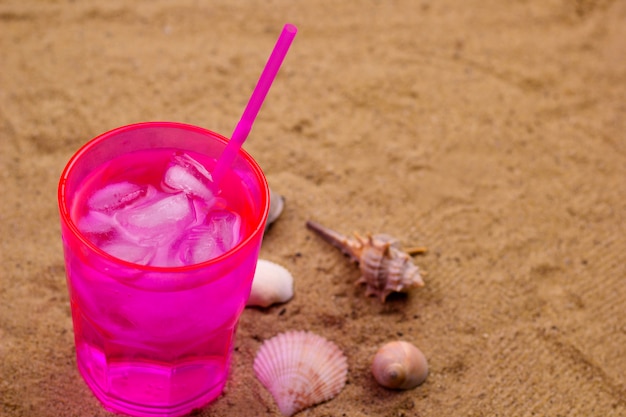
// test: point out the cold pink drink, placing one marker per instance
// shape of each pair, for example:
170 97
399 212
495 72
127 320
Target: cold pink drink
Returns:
159 263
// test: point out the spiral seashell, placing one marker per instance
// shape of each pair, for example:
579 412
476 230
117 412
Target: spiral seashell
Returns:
300 369
399 365
385 268
271 284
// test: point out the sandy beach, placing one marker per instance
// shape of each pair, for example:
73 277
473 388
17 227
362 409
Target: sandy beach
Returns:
492 133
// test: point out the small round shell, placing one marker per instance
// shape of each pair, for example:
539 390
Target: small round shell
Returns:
399 365
272 284
300 369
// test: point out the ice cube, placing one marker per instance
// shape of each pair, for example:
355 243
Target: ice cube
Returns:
186 174
95 222
161 220
165 255
129 251
218 235
225 226
117 195
203 208
197 245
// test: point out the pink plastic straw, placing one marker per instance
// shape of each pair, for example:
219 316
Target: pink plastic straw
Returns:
254 104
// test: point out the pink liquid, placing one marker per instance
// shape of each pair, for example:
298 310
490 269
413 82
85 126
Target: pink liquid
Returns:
156 342
163 211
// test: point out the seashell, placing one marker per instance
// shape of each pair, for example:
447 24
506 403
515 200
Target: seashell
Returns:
385 268
277 205
399 365
300 369
271 284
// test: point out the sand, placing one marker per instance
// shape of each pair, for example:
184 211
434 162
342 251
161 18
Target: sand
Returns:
491 132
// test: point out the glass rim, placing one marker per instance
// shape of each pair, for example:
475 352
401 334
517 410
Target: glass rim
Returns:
67 219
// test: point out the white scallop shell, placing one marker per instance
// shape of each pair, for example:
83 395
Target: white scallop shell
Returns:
272 284
300 369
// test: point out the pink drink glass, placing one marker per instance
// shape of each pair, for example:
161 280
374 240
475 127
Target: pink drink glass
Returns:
157 341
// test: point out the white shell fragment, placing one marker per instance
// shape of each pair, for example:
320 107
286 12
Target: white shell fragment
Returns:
385 268
277 205
300 369
272 284
399 365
